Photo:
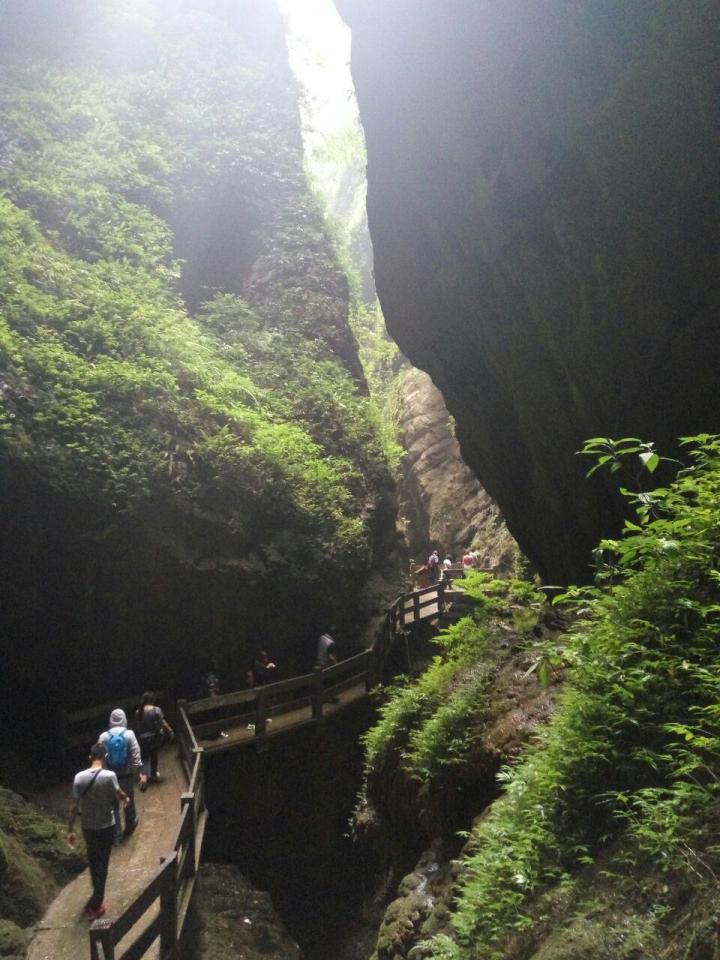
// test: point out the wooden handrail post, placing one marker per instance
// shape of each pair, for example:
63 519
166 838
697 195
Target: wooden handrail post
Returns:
182 744
317 694
441 597
187 800
416 606
168 910
102 933
260 713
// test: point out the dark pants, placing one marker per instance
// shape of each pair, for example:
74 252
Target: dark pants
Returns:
127 783
99 844
149 754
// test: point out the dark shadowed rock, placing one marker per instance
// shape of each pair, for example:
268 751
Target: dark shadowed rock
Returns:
231 918
544 211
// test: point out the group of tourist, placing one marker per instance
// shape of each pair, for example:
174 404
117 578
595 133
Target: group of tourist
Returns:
121 757
440 571
118 759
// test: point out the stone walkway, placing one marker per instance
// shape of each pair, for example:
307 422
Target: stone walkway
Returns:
63 932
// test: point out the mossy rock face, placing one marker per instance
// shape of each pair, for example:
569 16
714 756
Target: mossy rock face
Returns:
624 937
41 836
230 918
34 861
13 941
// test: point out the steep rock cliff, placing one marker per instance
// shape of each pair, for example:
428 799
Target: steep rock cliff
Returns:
544 212
185 432
439 496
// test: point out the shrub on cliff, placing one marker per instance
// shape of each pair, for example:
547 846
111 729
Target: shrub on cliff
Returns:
248 414
433 722
627 771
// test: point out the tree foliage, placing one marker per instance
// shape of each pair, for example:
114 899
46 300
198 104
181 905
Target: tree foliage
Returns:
146 135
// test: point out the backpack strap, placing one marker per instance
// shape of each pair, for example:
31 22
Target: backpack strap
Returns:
92 781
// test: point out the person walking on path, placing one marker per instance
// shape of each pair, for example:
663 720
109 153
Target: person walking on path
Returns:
326 652
468 562
96 796
151 724
263 669
326 656
434 566
124 759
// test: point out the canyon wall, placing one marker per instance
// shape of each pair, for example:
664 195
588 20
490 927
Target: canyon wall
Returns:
543 204
439 498
189 464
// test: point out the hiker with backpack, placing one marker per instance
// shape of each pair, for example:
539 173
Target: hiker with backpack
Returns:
150 724
96 796
123 758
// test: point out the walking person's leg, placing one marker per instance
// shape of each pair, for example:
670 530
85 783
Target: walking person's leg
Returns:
131 817
98 844
154 759
146 757
105 845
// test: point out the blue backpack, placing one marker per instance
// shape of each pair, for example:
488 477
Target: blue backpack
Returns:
117 751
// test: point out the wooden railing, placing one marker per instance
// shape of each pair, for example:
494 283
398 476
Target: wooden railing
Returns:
163 903
81 726
169 891
258 706
408 608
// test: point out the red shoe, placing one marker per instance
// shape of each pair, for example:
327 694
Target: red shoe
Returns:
96 914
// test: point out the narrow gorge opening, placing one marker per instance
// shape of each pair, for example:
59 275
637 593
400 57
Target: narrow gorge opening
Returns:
220 472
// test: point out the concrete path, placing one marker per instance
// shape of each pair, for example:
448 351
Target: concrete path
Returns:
63 932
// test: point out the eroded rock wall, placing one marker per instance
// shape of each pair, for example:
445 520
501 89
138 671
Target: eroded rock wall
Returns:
441 499
543 204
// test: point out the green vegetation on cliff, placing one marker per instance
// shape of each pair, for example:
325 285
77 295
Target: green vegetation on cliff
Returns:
434 722
175 354
35 861
605 841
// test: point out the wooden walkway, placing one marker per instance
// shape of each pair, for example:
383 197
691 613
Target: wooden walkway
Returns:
283 723
152 874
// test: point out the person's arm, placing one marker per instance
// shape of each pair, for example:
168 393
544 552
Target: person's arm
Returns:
135 758
119 792
72 812
167 728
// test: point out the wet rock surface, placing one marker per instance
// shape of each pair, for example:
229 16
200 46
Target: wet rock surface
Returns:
230 918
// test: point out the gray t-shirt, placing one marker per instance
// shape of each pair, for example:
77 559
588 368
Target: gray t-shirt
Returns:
98 804
325 647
